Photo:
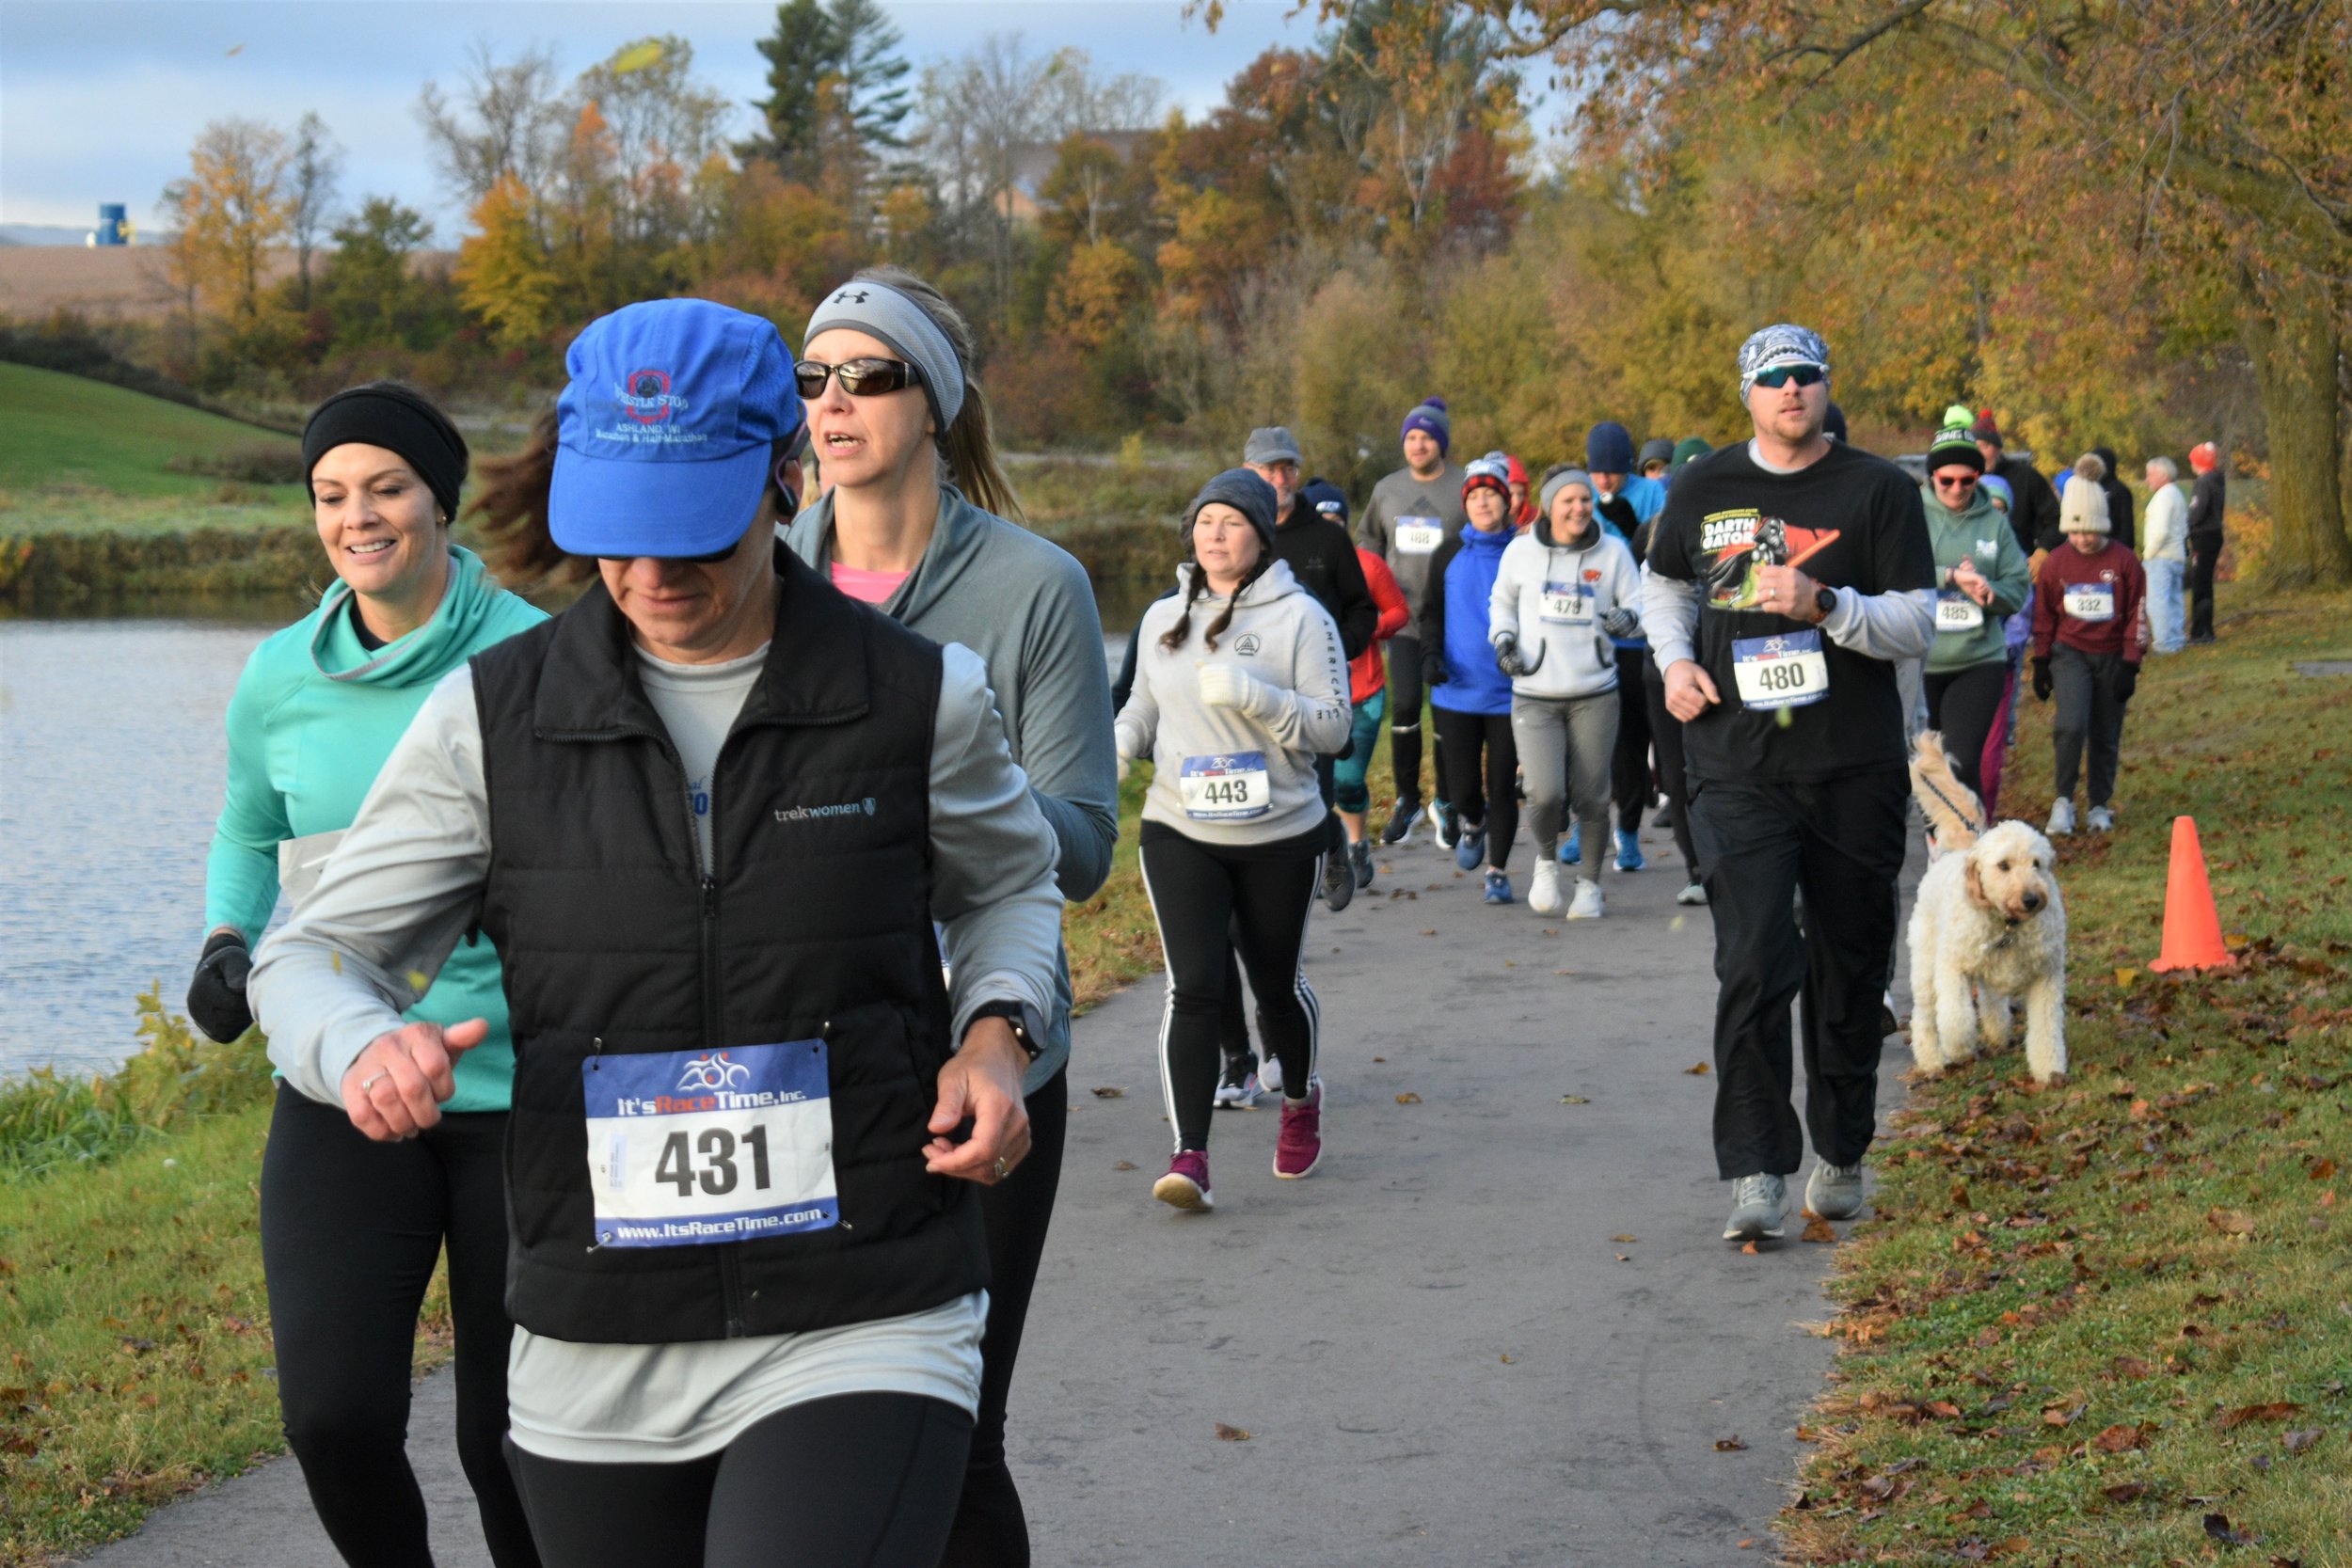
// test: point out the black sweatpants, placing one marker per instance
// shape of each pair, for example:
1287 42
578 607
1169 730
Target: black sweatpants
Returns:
1261 893
1628 773
2089 716
2205 556
1842 842
1404 692
1665 737
1964 704
865 1479
990 1529
350 1231
1485 793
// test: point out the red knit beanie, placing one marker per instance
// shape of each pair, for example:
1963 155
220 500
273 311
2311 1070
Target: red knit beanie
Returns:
2204 456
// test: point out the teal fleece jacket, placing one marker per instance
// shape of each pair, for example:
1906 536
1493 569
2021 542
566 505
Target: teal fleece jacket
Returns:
314 718
1982 537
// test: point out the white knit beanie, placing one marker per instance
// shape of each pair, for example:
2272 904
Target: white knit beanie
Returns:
2083 507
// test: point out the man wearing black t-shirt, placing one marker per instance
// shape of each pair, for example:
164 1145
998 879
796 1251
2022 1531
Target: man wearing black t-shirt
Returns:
1786 575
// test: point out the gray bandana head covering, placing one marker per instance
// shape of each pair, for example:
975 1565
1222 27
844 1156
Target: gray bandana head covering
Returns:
1775 346
1560 482
881 312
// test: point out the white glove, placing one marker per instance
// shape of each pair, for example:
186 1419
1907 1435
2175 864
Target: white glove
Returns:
1230 685
1126 766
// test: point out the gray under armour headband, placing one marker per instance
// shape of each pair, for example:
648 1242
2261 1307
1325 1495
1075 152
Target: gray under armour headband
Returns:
881 312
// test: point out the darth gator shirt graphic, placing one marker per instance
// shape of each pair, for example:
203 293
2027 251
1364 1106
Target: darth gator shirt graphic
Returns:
1795 705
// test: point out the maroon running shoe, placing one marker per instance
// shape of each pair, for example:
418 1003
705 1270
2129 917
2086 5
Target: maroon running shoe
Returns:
1299 1148
1186 1184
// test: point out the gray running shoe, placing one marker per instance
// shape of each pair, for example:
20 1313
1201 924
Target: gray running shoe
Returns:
1338 880
1834 1192
1757 1203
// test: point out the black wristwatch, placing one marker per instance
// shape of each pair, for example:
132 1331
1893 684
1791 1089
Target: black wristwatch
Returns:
1824 600
1028 1027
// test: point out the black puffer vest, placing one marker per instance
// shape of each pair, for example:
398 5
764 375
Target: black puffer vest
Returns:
812 923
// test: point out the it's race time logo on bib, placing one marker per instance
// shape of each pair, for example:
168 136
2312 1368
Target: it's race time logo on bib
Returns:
1733 544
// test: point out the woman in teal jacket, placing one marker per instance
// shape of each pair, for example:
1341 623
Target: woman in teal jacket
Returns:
351 1228
1981 579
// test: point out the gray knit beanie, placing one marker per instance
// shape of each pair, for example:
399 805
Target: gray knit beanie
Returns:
1246 493
1556 482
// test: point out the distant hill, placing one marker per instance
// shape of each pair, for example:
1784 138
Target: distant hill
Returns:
67 430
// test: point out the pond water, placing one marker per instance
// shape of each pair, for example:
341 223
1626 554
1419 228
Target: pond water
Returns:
111 760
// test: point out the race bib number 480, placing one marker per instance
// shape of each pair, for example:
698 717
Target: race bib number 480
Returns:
1787 671
1225 789
689 1147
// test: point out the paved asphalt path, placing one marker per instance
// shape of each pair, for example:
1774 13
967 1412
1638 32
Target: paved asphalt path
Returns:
1443 1346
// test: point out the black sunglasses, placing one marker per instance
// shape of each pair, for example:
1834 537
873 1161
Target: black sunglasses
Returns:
859 378
1781 375
1954 482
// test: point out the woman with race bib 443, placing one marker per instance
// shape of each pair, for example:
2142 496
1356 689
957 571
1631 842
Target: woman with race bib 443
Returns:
1240 686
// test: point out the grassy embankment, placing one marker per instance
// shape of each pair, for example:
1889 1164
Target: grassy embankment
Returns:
2109 1322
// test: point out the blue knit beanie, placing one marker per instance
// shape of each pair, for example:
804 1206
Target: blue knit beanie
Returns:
1246 493
1609 449
1430 416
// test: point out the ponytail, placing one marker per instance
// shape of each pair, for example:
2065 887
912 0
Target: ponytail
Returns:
510 515
1174 639
967 446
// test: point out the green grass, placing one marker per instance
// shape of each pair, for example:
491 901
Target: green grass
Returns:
2109 1322
80 456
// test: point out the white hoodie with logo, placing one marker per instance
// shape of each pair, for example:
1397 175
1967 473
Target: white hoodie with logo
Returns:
1243 773
1553 598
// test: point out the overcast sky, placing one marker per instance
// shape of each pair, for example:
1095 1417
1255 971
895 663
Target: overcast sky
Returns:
101 99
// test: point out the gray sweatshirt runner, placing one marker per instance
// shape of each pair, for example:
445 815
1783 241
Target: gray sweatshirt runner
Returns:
1553 597
1405 522
1024 606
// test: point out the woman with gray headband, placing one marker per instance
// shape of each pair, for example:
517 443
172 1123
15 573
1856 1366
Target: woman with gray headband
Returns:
914 520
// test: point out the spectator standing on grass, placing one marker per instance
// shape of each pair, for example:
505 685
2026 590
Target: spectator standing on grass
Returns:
1412 511
2033 511
2206 504
2166 559
1785 577
2087 643
351 1228
2119 501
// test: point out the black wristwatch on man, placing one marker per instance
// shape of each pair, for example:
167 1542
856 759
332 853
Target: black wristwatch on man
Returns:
1028 1025
1824 600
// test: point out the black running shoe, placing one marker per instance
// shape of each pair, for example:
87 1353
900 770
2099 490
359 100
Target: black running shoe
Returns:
1402 818
1338 880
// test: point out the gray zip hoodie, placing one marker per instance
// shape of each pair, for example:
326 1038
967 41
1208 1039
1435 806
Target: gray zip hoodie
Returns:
1022 604
1244 774
1552 598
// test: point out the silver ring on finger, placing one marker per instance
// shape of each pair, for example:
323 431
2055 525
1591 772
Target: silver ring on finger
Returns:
367 1083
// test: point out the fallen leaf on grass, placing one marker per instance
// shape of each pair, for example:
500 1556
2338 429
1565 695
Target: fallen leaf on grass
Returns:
1819 1230
1730 1445
2217 1525
1698 1070
1574 1100
2120 1439
1124 1164
2125 1492
2231 1222
2131 1365
2277 1410
2321 1169
2126 976
1409 1097
2303 1438
1230 1434
1110 1094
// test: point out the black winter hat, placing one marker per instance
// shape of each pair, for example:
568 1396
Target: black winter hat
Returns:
398 419
1246 493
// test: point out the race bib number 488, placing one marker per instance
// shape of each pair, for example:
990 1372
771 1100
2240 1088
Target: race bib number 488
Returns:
1418 535
688 1148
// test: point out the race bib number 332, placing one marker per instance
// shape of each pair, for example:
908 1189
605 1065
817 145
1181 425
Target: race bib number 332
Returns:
689 1147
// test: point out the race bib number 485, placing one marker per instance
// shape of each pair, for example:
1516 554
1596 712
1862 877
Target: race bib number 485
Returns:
688 1148
1787 671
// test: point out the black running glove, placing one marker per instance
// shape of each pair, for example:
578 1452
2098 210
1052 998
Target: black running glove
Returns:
2041 681
1433 669
216 995
1507 658
2126 681
1622 623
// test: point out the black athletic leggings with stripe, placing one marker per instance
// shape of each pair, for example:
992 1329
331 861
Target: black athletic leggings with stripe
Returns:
1263 892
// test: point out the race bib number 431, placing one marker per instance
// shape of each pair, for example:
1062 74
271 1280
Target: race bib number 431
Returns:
1787 671
688 1148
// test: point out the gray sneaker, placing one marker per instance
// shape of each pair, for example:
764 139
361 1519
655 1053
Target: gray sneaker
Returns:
1756 1202
1834 1192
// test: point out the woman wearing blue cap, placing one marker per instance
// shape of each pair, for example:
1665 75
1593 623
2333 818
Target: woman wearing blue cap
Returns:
914 521
351 1228
709 816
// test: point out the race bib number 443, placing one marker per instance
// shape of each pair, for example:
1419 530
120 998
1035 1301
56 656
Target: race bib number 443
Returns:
1787 671
689 1147
1225 789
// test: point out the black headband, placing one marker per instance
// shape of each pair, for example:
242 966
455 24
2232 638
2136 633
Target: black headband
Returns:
385 414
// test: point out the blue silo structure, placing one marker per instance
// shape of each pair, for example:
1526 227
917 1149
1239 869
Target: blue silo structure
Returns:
112 224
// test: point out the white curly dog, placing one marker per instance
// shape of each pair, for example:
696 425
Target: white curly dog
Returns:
1988 929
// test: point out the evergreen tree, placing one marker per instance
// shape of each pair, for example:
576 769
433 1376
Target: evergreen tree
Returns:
829 66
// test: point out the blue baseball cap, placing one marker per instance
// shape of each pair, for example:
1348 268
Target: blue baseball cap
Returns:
665 430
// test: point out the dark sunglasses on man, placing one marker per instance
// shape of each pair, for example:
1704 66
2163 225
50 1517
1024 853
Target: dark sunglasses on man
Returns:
859 378
1955 481
1781 375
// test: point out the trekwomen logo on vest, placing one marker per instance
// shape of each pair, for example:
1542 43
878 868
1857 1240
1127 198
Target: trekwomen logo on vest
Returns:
815 813
647 399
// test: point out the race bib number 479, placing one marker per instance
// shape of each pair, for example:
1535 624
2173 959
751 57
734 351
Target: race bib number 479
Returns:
689 1147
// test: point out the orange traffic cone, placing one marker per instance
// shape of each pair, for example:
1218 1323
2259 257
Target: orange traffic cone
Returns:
2192 929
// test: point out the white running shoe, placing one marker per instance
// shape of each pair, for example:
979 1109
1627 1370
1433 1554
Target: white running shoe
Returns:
1757 1203
1270 1074
1586 905
1543 892
1693 893
2061 818
2101 821
1238 1085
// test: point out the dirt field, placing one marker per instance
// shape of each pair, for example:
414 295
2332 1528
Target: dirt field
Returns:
113 282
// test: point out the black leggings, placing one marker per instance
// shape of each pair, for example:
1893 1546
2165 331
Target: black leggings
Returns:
858 1478
990 1530
1460 738
2204 559
1666 736
1404 720
350 1231
1965 704
1198 889
1628 773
